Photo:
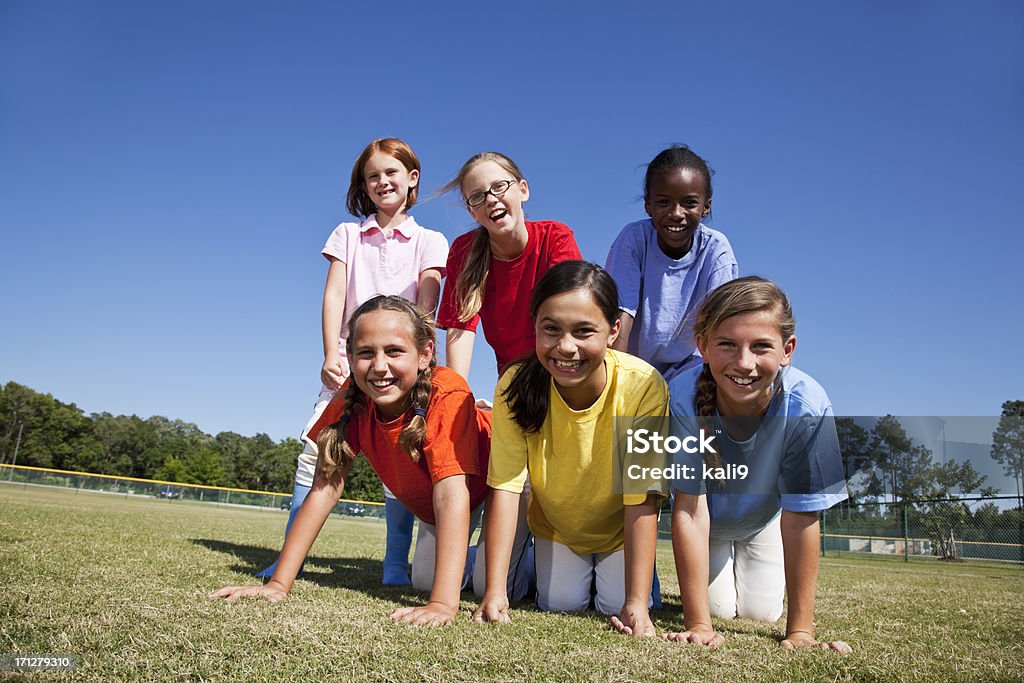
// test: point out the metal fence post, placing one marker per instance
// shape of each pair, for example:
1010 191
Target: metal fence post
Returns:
823 532
906 535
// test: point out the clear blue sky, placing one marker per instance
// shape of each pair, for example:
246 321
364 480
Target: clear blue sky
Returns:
170 171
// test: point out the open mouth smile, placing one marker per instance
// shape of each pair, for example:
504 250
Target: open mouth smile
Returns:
382 384
568 365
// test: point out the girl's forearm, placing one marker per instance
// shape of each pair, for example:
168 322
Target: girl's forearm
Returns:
459 350
451 510
690 530
641 544
429 290
308 521
500 521
333 312
800 544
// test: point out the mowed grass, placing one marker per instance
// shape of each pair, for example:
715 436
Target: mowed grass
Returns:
122 583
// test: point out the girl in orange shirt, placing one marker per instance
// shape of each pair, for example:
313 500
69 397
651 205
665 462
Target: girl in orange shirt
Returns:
418 426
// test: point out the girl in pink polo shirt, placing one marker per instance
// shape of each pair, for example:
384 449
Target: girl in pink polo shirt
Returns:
385 253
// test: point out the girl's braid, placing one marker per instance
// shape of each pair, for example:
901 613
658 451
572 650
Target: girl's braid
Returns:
707 396
415 433
332 443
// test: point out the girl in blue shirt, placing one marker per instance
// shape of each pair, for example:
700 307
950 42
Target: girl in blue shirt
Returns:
775 465
665 265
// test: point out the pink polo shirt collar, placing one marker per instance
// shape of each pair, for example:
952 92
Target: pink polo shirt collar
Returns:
406 228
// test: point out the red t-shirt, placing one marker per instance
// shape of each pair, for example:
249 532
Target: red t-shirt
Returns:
506 306
458 442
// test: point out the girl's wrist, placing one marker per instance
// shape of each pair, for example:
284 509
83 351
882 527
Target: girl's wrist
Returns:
700 626
790 632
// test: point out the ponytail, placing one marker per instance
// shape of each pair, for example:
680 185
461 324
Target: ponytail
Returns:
528 394
469 286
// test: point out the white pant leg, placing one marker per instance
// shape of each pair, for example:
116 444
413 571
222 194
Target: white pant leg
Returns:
564 578
610 579
306 465
424 558
761 574
722 581
518 575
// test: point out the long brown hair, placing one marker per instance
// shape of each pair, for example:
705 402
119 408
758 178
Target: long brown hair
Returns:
332 441
469 286
529 392
358 202
750 294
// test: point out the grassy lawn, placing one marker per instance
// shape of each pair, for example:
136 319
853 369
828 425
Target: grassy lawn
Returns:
121 583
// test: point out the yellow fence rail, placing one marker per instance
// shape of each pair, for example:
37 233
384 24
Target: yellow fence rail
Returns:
168 490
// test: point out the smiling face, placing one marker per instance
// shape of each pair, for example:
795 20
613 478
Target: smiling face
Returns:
676 201
387 182
503 216
745 353
385 361
572 338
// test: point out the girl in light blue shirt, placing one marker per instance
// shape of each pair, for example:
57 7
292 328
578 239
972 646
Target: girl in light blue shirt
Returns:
665 265
775 464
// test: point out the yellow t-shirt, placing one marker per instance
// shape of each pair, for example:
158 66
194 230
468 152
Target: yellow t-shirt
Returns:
573 461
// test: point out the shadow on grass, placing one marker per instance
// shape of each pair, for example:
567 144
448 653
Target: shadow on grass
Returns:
354 573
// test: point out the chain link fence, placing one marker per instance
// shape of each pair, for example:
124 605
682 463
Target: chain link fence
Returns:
170 491
951 529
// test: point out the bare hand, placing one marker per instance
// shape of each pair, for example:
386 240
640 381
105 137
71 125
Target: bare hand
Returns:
801 639
271 592
634 620
701 635
334 372
431 614
492 610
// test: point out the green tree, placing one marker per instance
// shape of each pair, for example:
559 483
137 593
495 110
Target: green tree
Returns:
853 447
897 459
173 469
203 466
1008 444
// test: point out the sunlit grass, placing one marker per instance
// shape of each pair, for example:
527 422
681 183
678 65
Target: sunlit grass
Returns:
121 582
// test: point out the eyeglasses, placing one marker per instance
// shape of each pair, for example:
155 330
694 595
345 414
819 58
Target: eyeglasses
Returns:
496 190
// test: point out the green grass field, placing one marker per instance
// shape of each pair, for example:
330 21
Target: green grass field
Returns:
121 583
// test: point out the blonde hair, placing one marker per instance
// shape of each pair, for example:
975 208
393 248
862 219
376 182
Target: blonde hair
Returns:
469 286
357 201
332 441
750 294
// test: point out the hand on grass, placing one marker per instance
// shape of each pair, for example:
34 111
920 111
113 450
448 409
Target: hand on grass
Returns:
334 372
634 620
271 591
431 614
492 610
801 639
701 634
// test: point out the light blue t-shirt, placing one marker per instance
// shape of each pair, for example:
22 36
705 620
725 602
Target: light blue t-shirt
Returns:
663 294
793 460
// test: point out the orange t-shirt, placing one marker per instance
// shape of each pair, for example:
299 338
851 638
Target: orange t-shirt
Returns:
458 442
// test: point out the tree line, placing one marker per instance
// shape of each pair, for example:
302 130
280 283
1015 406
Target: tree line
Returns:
883 464
49 433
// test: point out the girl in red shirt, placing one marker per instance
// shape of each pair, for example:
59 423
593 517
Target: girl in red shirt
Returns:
492 269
